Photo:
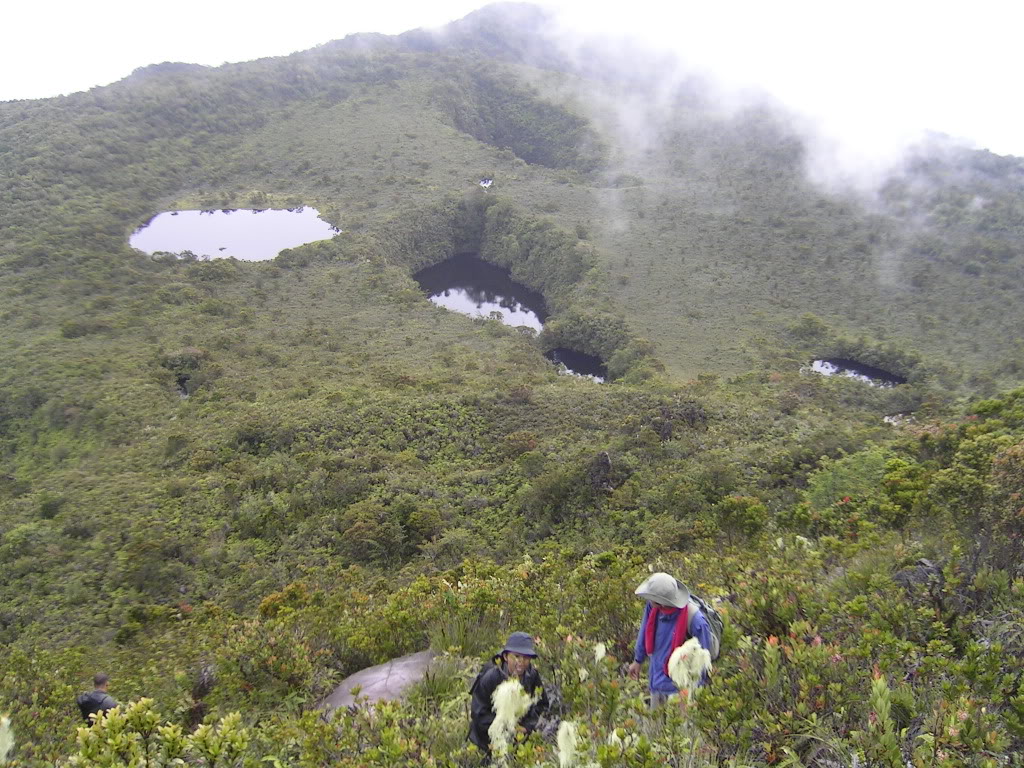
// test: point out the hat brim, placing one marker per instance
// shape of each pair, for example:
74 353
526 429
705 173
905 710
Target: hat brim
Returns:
678 596
520 651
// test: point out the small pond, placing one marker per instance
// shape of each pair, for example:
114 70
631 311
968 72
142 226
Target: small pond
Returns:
578 363
477 288
851 368
245 234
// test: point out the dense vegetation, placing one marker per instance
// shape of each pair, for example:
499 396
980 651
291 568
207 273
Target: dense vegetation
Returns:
356 474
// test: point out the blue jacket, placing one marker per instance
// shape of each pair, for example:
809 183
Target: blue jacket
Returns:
660 681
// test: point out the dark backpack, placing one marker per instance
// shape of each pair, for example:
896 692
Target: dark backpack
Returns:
488 665
90 704
714 621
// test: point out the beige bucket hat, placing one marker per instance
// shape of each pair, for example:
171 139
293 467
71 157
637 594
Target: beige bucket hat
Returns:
665 590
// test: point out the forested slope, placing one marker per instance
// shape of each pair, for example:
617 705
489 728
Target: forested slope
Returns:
354 473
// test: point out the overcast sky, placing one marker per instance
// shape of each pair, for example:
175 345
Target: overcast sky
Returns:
871 75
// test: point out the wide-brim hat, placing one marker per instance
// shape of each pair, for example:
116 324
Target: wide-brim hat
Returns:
665 590
521 643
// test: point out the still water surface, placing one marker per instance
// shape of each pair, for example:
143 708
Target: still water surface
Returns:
851 368
477 288
578 363
245 234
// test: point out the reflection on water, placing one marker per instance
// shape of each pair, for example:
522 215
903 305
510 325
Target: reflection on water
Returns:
249 235
854 370
477 288
578 363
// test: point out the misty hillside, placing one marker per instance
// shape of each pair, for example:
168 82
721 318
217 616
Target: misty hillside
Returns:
230 484
708 238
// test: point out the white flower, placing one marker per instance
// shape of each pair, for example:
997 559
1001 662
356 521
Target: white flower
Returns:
687 664
567 744
511 702
6 738
583 674
629 739
600 651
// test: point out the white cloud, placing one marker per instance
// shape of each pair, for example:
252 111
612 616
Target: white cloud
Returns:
871 74
66 46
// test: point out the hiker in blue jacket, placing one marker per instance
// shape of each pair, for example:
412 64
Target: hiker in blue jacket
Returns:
670 619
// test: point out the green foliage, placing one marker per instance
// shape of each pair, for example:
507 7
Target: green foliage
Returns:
537 253
880 741
740 517
492 107
133 736
74 329
596 335
356 474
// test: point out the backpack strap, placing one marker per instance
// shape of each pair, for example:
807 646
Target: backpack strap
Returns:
691 612
487 667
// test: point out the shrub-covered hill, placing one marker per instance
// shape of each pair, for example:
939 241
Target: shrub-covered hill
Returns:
230 484
709 237
356 474
886 632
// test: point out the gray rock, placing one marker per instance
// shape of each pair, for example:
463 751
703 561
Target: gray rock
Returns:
385 681
924 574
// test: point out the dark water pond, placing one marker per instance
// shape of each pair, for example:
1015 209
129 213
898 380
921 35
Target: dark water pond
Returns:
477 288
874 376
249 235
578 363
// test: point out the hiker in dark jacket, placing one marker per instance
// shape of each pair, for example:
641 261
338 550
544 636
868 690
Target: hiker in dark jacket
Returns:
515 660
670 619
97 700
